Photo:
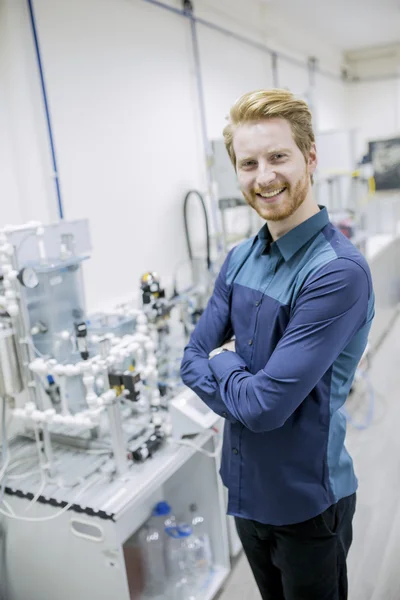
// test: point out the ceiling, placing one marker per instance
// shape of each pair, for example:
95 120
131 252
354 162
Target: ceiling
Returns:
346 24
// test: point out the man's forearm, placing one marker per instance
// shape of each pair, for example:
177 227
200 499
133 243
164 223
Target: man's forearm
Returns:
196 374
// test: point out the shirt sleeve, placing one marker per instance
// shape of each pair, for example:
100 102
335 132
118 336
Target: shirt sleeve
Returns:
213 329
330 309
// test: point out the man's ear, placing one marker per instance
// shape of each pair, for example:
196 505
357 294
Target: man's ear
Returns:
312 159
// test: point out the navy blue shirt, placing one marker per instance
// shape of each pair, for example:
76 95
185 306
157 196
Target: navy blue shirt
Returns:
301 310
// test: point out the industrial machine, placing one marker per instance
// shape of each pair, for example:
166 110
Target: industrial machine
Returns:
89 396
87 379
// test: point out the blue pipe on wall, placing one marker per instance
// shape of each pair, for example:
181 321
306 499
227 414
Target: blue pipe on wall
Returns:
47 110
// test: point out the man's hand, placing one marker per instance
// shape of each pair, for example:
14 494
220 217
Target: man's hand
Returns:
230 346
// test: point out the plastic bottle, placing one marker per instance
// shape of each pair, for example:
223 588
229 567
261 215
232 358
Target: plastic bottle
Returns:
181 563
163 509
203 545
152 548
152 541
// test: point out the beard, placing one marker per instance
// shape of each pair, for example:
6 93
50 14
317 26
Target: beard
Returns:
286 204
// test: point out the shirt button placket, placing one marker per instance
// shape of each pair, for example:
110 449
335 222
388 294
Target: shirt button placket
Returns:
235 472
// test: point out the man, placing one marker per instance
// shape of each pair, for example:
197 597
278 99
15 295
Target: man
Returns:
298 298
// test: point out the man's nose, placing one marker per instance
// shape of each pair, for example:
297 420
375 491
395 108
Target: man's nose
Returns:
265 176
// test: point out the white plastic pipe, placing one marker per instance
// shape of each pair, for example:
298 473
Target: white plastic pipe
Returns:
91 396
62 381
25 227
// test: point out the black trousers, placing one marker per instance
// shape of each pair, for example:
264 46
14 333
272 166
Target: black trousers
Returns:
306 561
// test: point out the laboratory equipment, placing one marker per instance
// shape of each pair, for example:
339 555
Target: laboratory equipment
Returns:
149 446
10 374
154 301
78 372
93 430
189 415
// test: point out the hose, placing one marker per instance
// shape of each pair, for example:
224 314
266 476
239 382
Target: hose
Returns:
185 219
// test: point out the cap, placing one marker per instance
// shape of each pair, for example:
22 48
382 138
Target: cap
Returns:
161 509
179 532
184 530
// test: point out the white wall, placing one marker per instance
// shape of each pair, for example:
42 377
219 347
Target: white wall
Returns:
230 69
122 94
373 112
26 181
125 121
293 77
331 104
374 107
10 204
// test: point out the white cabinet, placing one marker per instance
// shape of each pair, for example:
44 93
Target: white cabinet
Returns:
58 561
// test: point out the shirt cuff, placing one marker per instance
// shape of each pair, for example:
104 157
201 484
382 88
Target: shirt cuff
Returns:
223 364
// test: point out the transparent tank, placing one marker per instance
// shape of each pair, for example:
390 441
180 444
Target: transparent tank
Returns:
56 306
52 291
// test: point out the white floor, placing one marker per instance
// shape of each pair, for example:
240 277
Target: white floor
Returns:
374 560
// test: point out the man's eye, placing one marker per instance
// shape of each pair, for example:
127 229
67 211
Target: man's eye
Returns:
248 163
278 156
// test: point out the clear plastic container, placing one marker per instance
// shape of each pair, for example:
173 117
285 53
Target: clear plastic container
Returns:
203 553
152 548
181 563
152 540
181 589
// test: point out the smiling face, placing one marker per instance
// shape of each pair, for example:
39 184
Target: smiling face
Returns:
273 174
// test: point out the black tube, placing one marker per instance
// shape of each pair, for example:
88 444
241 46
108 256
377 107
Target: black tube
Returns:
185 219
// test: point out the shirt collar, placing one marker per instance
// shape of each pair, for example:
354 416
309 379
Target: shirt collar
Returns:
294 239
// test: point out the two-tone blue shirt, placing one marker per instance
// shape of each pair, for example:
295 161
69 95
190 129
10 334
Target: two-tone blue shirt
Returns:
301 310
